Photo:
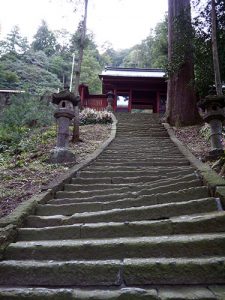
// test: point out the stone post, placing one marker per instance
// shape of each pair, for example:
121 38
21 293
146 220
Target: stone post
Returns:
63 117
212 112
64 114
110 99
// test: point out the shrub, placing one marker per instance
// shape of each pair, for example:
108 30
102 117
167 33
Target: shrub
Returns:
205 131
26 110
20 118
92 116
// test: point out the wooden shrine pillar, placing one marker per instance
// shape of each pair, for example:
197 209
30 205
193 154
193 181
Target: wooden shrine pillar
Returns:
130 101
158 102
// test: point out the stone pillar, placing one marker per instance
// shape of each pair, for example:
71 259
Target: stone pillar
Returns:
216 134
64 114
110 99
212 112
63 117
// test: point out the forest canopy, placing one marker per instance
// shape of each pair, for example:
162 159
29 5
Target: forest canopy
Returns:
45 63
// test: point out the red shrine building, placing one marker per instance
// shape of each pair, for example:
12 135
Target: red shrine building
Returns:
134 90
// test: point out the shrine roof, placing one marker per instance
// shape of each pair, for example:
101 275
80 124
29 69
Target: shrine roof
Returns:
133 72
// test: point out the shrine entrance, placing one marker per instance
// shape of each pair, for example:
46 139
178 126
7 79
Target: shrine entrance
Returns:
122 102
134 90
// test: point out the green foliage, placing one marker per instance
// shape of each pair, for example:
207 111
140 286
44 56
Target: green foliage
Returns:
26 75
7 77
203 48
92 116
90 70
14 42
205 132
45 40
20 118
150 53
182 42
24 109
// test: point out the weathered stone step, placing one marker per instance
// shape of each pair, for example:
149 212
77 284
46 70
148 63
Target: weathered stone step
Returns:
152 183
153 212
151 160
202 246
152 132
99 198
133 272
146 142
134 144
142 163
81 194
185 194
136 153
141 171
123 171
115 180
126 293
203 223
157 147
143 134
142 190
72 208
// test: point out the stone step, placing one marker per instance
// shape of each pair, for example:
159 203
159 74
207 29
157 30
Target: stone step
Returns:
72 208
115 180
153 212
147 160
202 223
185 194
130 153
122 171
142 163
203 246
125 293
134 272
152 183
141 171
142 190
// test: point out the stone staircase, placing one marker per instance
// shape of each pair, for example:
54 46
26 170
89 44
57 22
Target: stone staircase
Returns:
135 224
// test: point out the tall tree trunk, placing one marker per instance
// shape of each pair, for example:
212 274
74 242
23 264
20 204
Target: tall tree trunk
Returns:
215 51
181 99
76 132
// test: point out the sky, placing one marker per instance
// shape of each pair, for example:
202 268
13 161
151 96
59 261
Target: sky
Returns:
123 23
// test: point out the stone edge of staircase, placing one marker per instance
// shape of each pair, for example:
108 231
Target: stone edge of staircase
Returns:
9 224
214 182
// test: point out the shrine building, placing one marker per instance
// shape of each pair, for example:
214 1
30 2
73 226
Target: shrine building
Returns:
134 89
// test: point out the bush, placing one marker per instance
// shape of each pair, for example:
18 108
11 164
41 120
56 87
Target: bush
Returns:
20 118
205 131
26 110
92 116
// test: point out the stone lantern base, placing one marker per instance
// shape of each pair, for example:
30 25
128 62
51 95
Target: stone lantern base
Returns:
61 155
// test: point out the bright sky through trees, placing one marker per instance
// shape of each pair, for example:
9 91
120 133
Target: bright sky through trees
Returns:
123 23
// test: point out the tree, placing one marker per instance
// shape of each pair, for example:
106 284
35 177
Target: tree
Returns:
204 70
81 44
45 40
181 99
215 52
14 42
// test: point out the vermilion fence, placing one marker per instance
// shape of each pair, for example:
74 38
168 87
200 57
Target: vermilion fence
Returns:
98 103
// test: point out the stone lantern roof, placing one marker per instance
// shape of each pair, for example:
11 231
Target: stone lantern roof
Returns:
65 95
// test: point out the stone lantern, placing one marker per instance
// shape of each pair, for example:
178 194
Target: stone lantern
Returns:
66 102
110 99
212 112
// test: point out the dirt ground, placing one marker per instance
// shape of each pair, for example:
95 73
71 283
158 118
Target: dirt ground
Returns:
25 176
